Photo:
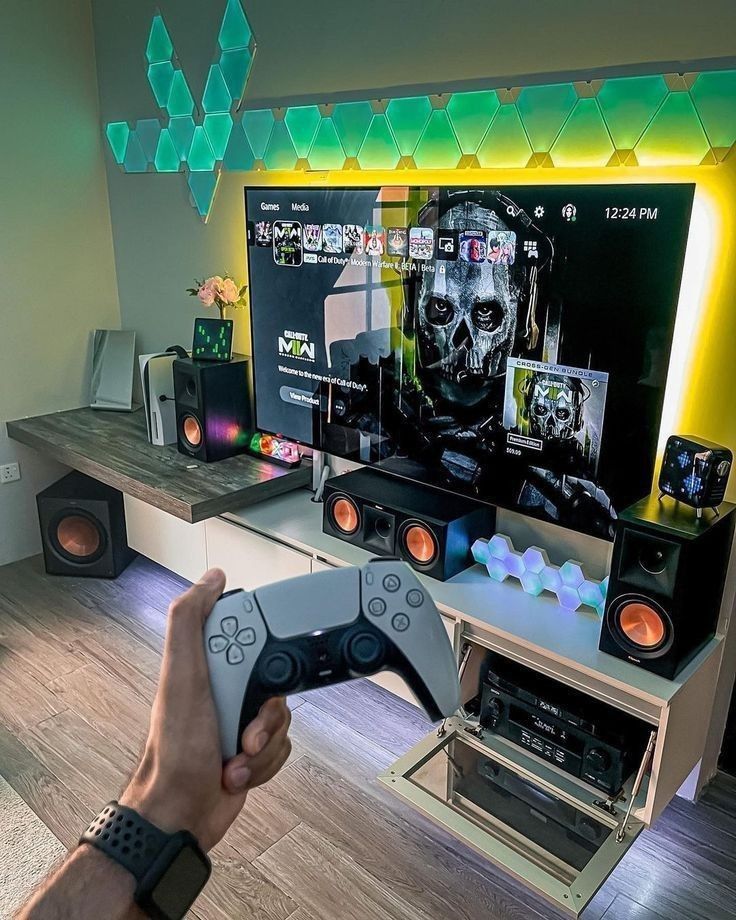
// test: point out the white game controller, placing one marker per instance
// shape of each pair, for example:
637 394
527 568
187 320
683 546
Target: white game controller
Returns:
322 629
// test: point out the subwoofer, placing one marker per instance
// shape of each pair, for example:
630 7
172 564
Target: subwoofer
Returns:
213 407
430 529
83 528
666 584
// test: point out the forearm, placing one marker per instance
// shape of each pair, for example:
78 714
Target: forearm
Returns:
86 886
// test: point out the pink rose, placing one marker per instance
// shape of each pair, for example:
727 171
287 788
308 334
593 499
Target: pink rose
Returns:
217 282
207 293
229 291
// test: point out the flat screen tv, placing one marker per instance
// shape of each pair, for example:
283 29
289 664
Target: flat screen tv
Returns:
511 344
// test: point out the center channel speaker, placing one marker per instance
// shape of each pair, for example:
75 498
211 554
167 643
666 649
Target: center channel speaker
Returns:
83 528
666 585
430 529
213 408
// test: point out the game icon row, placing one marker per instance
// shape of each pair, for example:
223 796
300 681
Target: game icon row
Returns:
470 245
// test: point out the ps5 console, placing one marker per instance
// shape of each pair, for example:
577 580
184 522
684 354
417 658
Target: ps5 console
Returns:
322 629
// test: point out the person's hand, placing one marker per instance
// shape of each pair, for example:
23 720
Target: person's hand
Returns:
181 783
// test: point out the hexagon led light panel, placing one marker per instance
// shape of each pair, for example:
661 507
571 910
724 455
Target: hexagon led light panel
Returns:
660 119
536 573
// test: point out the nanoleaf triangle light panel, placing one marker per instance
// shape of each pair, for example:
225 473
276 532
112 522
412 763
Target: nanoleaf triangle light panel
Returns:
654 120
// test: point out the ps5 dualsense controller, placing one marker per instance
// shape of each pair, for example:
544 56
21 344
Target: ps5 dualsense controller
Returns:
322 629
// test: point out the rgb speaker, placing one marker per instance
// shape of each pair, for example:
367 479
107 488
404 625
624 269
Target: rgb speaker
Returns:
666 584
213 408
83 528
695 471
431 530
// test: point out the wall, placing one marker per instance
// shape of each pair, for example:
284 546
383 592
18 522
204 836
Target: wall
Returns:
56 259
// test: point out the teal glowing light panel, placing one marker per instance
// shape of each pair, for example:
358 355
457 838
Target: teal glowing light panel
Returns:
213 339
653 120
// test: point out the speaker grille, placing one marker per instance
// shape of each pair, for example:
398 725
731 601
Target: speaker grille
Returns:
191 431
77 537
418 543
640 626
344 514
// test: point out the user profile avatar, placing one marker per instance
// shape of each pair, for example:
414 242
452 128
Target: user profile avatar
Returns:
374 241
264 233
352 238
332 237
473 246
502 247
313 237
569 212
421 243
397 241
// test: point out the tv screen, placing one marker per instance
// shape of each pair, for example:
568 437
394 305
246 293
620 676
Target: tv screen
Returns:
510 344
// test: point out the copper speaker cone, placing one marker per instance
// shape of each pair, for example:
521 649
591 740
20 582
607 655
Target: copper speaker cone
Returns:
420 544
78 536
192 431
345 515
642 625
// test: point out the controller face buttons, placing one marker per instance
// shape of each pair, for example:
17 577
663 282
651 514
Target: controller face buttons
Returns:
246 636
414 598
234 654
377 606
392 583
400 622
218 644
231 646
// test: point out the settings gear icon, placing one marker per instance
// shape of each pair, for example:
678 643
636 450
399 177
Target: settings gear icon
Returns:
539 211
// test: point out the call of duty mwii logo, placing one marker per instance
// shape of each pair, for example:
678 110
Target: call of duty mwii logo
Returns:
296 345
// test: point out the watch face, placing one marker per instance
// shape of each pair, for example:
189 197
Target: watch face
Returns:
181 883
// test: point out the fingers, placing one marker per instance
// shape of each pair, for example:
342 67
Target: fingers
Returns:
266 748
272 716
188 612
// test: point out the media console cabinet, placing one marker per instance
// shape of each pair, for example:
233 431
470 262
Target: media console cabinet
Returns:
281 536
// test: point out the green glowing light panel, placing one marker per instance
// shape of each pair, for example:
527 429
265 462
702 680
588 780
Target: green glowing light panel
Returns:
656 120
213 339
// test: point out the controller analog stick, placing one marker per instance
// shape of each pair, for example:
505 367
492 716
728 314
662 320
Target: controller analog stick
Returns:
364 652
280 671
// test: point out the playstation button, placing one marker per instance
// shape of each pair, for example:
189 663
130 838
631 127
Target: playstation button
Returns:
414 598
218 644
229 626
400 622
235 654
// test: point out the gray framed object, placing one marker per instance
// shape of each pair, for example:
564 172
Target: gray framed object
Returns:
113 361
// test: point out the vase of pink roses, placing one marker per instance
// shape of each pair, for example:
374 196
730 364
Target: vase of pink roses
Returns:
219 292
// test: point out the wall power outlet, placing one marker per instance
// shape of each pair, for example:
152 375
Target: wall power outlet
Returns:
9 472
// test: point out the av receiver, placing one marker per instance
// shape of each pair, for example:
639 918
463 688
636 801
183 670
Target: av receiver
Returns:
580 735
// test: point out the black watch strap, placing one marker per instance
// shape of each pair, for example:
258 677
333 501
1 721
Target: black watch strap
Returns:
122 834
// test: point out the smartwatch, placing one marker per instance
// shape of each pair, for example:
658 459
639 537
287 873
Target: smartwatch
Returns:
170 869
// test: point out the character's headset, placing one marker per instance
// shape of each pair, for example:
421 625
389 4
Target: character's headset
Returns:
517 219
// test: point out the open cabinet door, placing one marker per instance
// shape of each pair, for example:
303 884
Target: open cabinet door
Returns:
540 829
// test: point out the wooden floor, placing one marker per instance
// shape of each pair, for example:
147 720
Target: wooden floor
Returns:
78 666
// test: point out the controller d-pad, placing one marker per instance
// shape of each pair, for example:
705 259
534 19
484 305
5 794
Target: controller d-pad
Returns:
246 636
234 654
229 626
377 606
414 598
218 644
400 622
392 583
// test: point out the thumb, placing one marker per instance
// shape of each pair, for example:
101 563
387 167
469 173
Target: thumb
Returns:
187 615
